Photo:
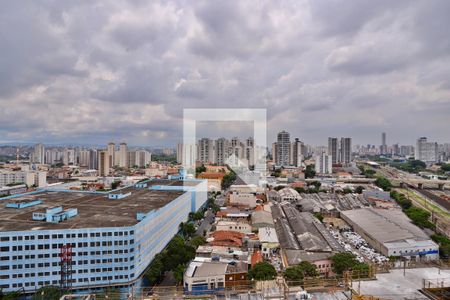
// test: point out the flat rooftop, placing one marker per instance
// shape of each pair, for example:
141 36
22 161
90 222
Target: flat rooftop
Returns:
384 225
94 210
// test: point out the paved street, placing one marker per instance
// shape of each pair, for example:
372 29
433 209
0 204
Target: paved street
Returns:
206 223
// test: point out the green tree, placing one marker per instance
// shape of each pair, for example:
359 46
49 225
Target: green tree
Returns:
347 190
47 293
384 183
310 171
177 252
319 216
343 261
401 200
228 180
445 167
300 190
187 229
298 272
197 241
156 270
444 245
110 294
200 169
316 184
419 216
178 273
11 296
359 189
115 184
262 271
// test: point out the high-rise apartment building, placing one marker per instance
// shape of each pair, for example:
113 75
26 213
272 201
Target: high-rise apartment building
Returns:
206 150
104 162
426 151
345 151
84 157
53 156
123 161
333 149
68 157
283 149
406 150
111 152
296 153
323 163
222 151
340 152
180 153
143 158
383 147
39 154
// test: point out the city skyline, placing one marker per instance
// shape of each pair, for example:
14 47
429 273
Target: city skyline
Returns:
128 75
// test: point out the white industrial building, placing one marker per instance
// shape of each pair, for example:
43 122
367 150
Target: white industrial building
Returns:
391 233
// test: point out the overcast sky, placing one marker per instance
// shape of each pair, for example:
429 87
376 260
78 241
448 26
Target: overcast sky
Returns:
94 71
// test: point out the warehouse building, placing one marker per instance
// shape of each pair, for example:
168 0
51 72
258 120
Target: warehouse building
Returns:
303 238
391 233
106 238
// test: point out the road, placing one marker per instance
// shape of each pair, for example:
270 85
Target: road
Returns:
206 223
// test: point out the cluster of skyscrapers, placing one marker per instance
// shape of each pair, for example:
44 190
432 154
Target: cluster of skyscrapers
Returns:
287 153
340 150
221 151
102 160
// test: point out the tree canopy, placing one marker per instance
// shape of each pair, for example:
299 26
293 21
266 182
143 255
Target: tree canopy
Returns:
344 261
384 183
262 271
298 272
48 293
310 172
228 180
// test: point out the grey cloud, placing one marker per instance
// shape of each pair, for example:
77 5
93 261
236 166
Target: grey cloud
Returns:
92 71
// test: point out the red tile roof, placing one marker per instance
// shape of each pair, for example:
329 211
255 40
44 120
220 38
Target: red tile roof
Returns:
256 257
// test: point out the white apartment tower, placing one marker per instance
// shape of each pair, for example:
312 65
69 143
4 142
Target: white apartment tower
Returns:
426 151
206 150
103 160
324 163
39 154
68 157
123 161
283 149
180 153
345 151
222 151
296 153
333 149
383 148
111 152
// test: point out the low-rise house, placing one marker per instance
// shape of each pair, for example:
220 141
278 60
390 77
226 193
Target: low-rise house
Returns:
262 218
269 240
202 277
322 260
226 238
238 226
242 199
206 276
289 194
214 180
